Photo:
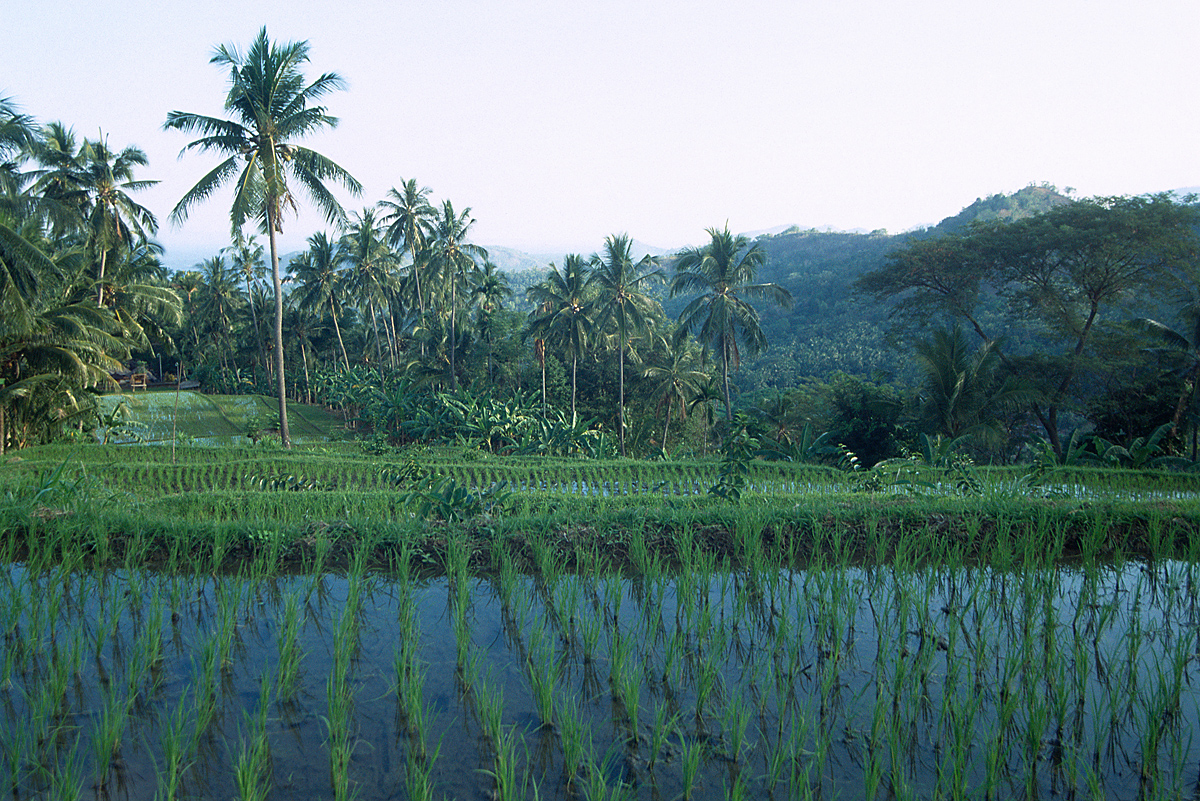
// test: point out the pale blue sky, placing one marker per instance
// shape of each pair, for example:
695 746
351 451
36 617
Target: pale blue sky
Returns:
560 123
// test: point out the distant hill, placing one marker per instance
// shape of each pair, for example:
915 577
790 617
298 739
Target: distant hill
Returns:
511 260
1020 204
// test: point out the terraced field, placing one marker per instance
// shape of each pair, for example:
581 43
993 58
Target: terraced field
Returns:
213 419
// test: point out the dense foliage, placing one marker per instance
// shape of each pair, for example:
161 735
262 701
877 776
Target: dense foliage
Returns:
1021 325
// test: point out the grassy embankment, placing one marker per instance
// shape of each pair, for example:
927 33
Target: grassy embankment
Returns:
326 500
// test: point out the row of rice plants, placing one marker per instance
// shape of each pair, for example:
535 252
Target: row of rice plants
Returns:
899 679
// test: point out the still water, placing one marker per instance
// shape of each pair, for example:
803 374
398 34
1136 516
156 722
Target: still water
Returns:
839 682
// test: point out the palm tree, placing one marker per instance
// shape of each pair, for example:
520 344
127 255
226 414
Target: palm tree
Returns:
566 309
16 137
722 272
1184 347
219 297
452 257
620 301
246 256
489 288
188 285
962 393
322 282
410 219
676 374
303 324
93 183
136 293
370 263
271 107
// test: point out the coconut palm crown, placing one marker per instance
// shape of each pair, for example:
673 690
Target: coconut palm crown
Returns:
722 272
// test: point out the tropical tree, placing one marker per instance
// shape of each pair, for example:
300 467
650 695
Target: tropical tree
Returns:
1065 269
246 256
565 310
303 324
17 135
963 393
453 258
219 298
620 302
322 282
723 272
409 218
489 289
676 374
93 183
271 106
143 306
1182 347
369 262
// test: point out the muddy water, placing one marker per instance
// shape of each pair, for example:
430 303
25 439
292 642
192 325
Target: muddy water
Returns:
839 682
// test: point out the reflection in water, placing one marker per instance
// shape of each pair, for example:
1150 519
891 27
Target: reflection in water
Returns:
849 682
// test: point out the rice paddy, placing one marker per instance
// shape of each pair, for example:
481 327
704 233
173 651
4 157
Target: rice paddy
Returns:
655 646
208 420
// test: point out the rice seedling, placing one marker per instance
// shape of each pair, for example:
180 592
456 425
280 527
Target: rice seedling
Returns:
691 752
176 744
544 669
252 764
666 723
509 783
575 740
489 706
107 735
288 669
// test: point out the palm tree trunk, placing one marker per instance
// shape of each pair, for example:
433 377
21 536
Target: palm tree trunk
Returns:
262 351
338 329
375 328
389 328
725 379
666 425
540 351
100 280
621 397
574 365
453 340
304 361
285 435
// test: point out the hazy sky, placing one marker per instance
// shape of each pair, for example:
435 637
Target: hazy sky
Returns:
562 122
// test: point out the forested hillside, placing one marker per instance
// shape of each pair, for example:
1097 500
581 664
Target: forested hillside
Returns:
831 328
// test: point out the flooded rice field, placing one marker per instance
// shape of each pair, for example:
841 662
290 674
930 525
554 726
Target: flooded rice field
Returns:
940 682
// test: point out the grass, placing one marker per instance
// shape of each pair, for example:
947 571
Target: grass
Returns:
229 640
213 419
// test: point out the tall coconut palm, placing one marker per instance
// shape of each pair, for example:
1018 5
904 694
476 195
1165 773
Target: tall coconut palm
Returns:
16 136
369 262
567 311
219 298
676 376
272 106
453 258
723 272
410 218
322 281
620 301
94 183
246 256
489 288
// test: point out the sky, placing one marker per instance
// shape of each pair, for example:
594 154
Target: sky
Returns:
559 123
